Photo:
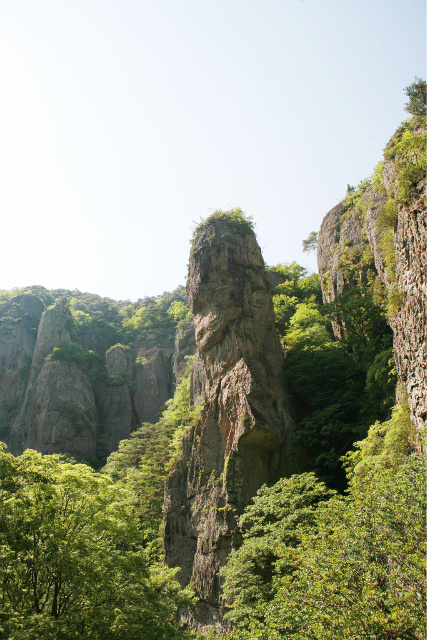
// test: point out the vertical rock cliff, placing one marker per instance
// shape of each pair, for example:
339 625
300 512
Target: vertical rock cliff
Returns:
409 323
153 380
58 413
114 400
244 422
380 236
87 398
19 319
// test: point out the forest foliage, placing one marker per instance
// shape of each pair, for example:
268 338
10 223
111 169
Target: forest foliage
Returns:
339 387
355 569
72 557
146 458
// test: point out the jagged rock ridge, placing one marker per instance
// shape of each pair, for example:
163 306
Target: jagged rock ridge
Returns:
244 423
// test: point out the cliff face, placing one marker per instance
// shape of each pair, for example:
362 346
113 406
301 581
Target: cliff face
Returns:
348 250
58 411
244 423
153 380
384 237
19 319
68 405
409 324
114 399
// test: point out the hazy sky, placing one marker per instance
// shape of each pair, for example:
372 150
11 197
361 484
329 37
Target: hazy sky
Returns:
125 122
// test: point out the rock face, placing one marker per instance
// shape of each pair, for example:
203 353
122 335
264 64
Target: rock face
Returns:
345 236
58 413
64 412
66 405
153 377
185 345
409 324
19 318
348 249
244 423
114 400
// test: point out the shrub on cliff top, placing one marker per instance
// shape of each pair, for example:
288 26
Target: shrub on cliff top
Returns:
74 353
236 220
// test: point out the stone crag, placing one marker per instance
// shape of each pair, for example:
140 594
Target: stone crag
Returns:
409 324
57 406
352 247
58 413
244 424
19 318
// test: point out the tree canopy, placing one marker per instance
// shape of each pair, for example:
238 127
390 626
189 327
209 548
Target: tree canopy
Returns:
72 562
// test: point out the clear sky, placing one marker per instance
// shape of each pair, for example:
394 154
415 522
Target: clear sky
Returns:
123 123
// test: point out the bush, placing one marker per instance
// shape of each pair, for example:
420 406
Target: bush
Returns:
74 353
236 221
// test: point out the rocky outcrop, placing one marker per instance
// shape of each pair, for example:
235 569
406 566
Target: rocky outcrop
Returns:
39 407
19 318
197 382
64 412
409 323
55 329
153 376
185 346
58 413
244 423
114 398
327 254
351 242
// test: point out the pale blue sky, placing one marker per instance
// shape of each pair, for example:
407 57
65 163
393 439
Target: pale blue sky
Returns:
123 123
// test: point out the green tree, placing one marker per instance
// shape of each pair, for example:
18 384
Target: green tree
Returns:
360 572
146 458
338 387
268 528
71 559
310 244
237 222
416 93
161 314
387 443
295 286
179 311
74 353
327 389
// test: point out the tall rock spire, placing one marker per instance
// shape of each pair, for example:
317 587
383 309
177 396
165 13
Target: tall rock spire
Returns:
244 424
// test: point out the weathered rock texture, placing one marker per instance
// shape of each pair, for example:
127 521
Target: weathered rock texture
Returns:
114 399
64 412
185 346
348 249
153 379
61 406
409 324
244 423
19 318
345 236
58 412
